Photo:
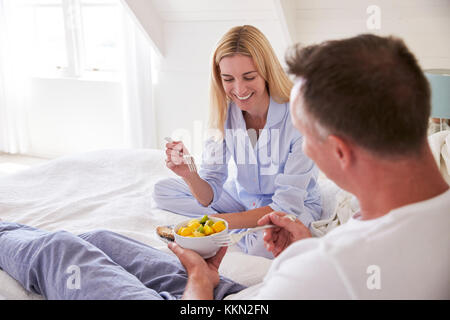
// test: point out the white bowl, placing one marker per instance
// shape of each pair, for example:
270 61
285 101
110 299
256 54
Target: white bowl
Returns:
204 246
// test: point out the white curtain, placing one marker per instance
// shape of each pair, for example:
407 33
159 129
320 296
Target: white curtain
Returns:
14 80
139 114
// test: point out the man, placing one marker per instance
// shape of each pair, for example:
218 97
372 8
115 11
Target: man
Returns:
362 105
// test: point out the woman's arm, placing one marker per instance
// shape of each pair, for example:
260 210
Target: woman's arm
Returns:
213 169
200 189
244 219
290 194
295 184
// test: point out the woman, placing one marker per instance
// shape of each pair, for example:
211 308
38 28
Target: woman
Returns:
250 115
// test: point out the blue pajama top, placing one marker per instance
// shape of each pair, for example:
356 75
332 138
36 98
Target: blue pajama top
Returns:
274 172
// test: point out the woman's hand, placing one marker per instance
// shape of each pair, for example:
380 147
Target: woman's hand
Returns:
278 239
199 188
203 275
175 162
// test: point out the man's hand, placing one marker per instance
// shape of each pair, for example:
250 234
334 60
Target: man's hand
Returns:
203 275
278 239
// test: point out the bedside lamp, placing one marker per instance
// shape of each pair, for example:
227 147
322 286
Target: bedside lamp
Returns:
439 80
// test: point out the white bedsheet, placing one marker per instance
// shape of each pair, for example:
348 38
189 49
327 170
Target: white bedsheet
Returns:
111 189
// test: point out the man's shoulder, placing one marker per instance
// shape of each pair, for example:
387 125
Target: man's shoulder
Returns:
353 260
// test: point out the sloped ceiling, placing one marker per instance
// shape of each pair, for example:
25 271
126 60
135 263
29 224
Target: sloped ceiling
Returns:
151 14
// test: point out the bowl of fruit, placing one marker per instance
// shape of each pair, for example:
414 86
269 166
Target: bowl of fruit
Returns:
198 234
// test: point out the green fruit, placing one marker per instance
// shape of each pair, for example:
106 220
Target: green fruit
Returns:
204 219
201 229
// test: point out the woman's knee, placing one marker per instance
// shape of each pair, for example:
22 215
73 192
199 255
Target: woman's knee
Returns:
164 188
167 194
254 245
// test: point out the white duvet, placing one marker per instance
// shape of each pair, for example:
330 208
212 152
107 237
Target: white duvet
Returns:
111 189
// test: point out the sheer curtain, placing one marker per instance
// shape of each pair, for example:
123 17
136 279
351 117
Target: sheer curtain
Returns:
14 80
139 113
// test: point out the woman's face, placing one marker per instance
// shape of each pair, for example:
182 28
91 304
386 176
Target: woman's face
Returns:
242 83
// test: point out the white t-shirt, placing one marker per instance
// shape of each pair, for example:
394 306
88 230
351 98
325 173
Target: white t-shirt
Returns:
404 254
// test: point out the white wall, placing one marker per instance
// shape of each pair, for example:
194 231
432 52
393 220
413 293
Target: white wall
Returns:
69 116
79 116
423 24
181 96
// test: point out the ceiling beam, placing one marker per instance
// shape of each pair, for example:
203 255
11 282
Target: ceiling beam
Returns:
285 11
149 20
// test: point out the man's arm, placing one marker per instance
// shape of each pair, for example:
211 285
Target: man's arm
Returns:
203 275
278 239
198 288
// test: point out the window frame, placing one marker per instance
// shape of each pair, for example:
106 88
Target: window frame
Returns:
75 42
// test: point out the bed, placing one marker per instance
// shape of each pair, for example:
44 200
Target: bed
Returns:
111 189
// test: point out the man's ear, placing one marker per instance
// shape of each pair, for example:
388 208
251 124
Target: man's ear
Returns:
342 150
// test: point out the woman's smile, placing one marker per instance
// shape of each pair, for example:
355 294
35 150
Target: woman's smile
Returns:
243 84
244 97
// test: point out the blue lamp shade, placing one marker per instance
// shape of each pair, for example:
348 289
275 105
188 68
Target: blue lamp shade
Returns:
440 92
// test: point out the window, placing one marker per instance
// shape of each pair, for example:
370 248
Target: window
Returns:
101 35
75 38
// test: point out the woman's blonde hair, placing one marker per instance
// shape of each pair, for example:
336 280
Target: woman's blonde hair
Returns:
245 40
